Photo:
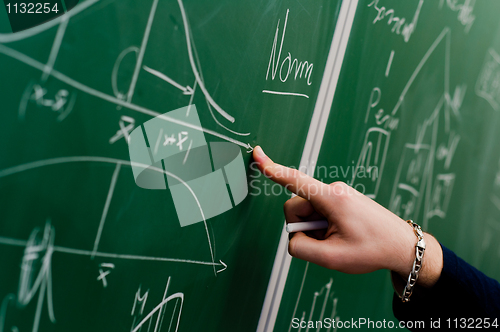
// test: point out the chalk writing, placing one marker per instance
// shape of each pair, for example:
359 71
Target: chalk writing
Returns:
159 311
400 26
465 11
60 103
104 270
126 124
289 65
35 277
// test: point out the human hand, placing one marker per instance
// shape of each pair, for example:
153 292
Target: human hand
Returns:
362 235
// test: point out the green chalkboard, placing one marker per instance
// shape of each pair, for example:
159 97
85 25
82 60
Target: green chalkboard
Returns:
419 100
83 247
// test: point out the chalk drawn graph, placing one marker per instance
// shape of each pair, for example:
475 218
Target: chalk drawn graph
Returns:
321 305
415 183
40 247
159 311
37 93
36 276
120 99
118 163
61 103
36 279
432 151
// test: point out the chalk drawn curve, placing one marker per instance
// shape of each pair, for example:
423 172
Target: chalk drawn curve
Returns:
63 160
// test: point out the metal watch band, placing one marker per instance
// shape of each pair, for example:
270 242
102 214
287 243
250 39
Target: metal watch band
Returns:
417 263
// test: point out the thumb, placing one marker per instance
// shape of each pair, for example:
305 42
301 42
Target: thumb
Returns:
297 182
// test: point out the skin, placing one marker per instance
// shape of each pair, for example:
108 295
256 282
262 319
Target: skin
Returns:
362 235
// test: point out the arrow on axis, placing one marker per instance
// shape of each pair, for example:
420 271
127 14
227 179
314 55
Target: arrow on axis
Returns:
225 266
187 90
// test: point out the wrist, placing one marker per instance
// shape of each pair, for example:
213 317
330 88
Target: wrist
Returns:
405 253
432 261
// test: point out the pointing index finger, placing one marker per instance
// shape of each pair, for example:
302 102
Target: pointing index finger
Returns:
297 182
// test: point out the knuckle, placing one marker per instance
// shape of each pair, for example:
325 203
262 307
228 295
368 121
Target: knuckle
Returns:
340 190
340 184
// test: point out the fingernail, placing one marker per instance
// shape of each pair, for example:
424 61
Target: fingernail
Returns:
260 153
